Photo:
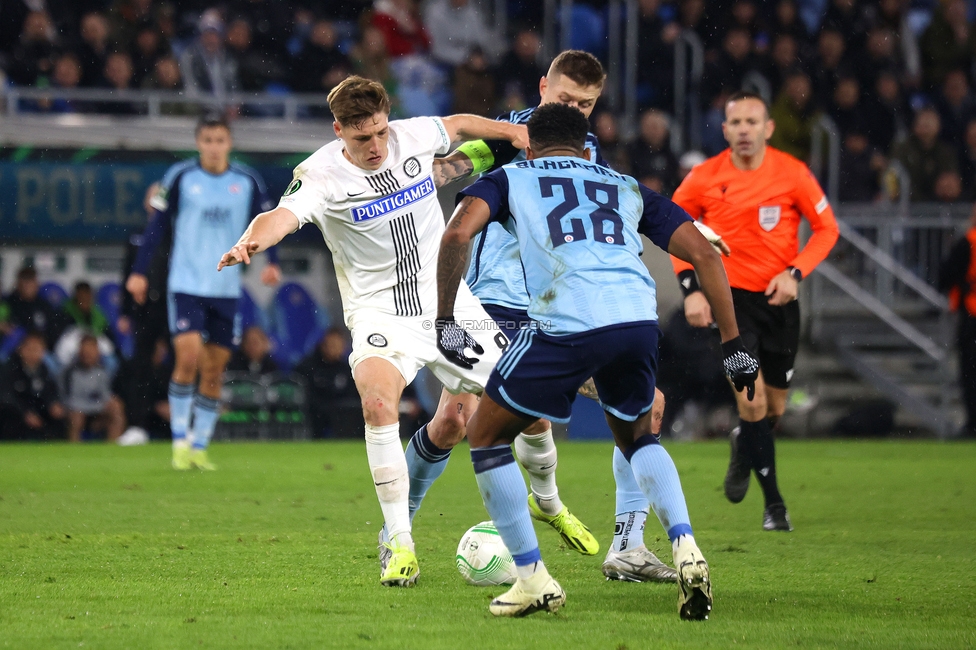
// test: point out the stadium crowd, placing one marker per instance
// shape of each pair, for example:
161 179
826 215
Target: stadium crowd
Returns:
895 75
69 371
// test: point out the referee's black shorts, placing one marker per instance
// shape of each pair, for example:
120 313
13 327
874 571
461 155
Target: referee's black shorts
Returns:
771 333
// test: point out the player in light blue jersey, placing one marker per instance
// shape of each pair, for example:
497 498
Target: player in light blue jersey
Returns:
575 78
202 207
594 314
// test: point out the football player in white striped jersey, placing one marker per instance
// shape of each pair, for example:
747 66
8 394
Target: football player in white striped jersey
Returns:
372 194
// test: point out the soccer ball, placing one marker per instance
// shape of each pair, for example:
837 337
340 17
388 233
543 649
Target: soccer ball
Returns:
483 559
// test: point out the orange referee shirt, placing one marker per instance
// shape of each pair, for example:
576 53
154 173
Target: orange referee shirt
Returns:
758 213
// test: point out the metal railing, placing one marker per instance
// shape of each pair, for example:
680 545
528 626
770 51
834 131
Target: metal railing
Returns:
881 273
826 129
156 103
689 66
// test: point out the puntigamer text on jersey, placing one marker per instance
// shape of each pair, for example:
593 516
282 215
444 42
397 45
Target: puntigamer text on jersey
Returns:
404 197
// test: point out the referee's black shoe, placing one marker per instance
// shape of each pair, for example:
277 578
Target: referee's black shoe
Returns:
740 470
775 517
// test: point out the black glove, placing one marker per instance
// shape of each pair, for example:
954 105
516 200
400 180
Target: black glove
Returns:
453 340
741 367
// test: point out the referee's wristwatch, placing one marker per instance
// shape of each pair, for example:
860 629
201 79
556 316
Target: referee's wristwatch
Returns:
795 272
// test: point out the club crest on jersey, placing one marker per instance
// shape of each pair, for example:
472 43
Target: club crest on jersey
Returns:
377 340
394 201
769 217
411 167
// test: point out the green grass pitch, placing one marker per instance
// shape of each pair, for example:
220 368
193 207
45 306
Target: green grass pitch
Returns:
106 547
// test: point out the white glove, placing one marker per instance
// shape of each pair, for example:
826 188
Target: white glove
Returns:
714 239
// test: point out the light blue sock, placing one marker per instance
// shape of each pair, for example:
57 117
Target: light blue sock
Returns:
632 506
205 414
503 491
658 479
180 402
425 463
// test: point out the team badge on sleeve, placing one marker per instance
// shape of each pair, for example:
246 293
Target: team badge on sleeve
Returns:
769 217
376 340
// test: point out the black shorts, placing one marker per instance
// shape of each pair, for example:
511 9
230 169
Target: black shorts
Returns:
771 333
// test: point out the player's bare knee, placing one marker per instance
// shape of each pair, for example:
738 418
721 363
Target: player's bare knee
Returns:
753 411
378 410
446 430
539 426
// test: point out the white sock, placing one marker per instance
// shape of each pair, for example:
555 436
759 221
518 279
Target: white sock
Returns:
388 466
537 454
531 571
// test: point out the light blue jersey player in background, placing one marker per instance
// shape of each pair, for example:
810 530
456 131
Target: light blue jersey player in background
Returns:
593 306
203 206
575 78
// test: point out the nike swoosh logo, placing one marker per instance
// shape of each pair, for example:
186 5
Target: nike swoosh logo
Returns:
548 467
350 194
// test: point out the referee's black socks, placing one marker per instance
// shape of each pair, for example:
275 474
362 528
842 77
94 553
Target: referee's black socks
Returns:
761 450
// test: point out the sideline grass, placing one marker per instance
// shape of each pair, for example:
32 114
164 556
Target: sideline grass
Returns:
107 547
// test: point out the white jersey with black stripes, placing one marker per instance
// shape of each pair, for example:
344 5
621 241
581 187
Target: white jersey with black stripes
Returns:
383 227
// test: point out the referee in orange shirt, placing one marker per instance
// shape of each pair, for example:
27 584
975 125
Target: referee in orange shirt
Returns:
753 196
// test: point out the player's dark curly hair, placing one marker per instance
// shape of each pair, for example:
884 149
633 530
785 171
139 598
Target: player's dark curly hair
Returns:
211 119
557 125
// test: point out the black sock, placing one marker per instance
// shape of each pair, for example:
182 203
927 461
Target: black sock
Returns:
760 448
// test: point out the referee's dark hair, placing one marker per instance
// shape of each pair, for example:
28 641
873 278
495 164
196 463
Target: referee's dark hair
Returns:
747 94
210 120
557 125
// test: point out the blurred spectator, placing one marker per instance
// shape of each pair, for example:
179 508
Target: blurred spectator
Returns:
93 49
655 55
166 76
928 161
724 75
205 65
845 109
847 17
24 308
148 47
955 105
860 168
320 66
32 60
474 86
371 61
879 54
254 68
893 16
270 22
30 406
651 159
784 58
613 150
253 357
82 311
967 162
688 161
519 72
457 28
786 20
794 114
948 43
67 76
403 31
127 17
331 389
744 14
886 112
829 64
142 385
118 76
87 392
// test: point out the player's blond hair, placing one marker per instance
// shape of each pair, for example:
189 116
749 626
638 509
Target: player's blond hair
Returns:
356 99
